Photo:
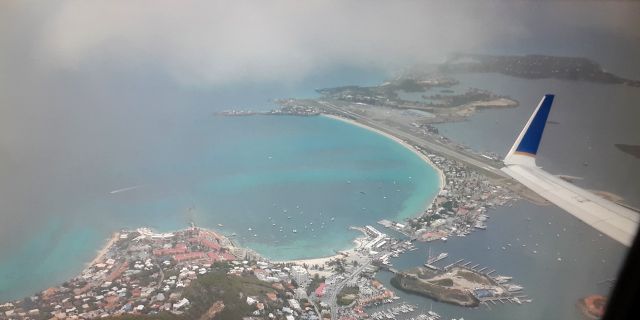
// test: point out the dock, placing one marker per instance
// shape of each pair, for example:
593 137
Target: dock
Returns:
504 300
453 264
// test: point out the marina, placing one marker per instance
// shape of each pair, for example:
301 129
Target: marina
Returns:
405 312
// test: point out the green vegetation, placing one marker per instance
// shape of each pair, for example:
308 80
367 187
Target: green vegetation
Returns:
217 286
440 290
338 265
347 295
443 282
315 282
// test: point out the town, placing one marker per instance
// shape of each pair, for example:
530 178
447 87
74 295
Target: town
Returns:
197 273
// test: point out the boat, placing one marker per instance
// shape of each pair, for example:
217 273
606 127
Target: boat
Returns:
295 231
514 288
444 239
502 279
432 259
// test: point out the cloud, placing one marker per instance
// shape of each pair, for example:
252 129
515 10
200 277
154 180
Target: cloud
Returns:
213 42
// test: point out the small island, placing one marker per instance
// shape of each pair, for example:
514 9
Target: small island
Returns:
457 284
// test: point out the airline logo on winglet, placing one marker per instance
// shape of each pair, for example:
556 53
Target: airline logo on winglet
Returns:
531 139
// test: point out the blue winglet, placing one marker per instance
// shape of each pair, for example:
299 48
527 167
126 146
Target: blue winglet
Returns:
531 139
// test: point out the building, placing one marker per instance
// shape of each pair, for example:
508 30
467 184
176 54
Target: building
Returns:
299 274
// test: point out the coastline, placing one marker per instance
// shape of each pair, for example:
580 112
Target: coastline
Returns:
114 237
348 251
441 176
357 241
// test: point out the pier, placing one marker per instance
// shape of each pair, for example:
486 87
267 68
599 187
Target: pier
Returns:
505 300
453 264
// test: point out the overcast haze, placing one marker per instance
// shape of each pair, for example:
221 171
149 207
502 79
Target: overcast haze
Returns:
81 81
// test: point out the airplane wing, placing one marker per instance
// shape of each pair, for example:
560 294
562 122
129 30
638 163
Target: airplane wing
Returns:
611 219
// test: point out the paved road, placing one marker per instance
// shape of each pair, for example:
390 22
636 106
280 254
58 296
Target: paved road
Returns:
435 147
333 303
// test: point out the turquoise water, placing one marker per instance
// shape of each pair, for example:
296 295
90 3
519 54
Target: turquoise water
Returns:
315 175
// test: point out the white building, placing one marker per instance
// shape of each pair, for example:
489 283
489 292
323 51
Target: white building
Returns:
299 274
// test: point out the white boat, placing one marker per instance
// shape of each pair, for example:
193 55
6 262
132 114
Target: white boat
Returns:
514 288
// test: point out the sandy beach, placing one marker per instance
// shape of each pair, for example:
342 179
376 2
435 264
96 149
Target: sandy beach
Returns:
103 251
359 241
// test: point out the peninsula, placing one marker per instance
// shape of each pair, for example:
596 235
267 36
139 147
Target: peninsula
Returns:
457 284
534 67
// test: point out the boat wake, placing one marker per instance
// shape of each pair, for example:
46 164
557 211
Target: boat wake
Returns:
126 189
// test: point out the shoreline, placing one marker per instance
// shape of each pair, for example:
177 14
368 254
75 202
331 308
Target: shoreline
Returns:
357 240
441 176
357 243
114 237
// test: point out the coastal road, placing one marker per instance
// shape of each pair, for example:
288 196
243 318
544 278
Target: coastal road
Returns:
419 141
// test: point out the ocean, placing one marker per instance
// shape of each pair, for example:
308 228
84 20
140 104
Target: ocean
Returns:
260 177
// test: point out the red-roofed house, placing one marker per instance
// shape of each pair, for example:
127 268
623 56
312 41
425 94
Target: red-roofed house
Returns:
213 256
320 290
189 256
179 248
228 256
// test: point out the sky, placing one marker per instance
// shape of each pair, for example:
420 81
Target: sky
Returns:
74 73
